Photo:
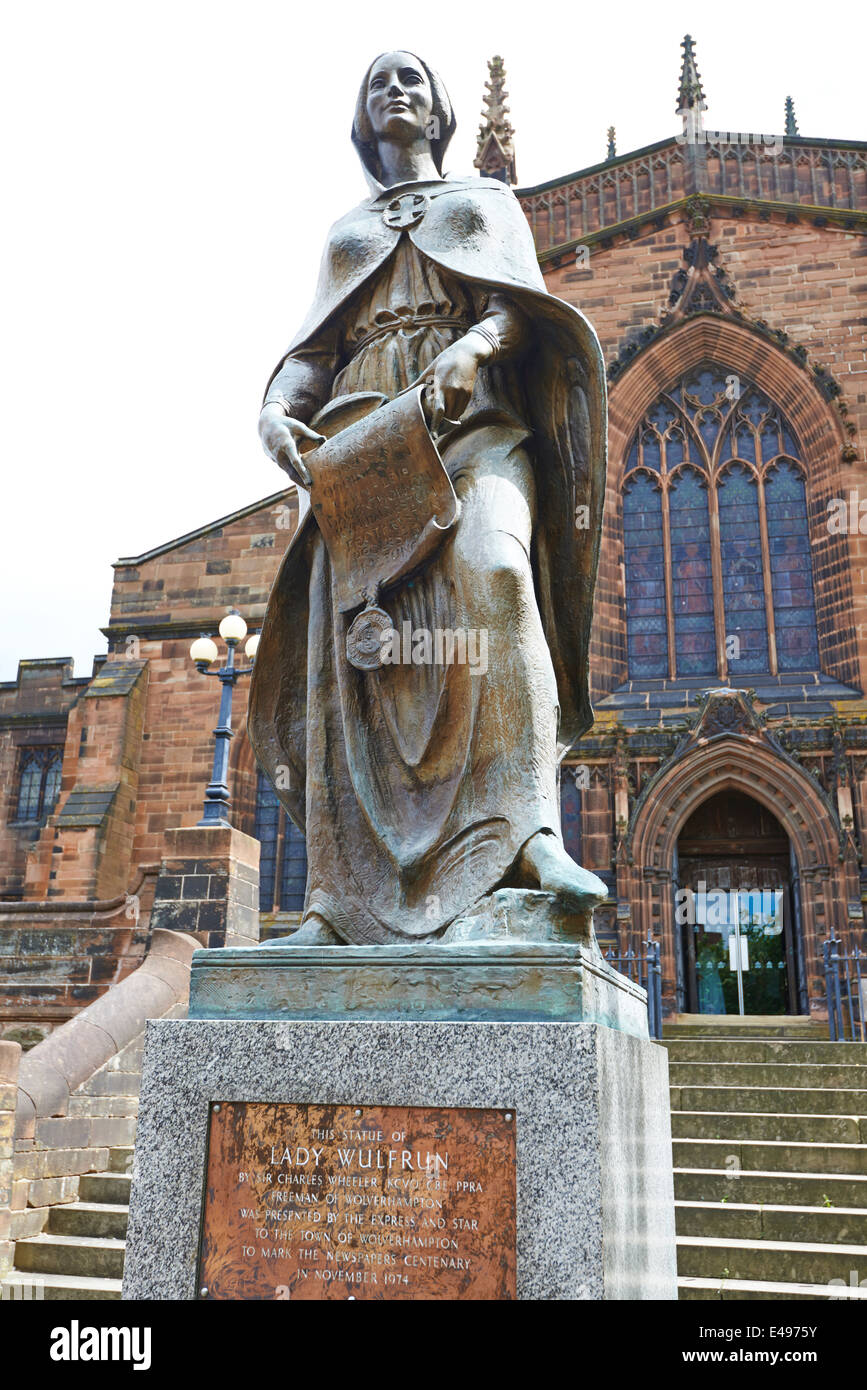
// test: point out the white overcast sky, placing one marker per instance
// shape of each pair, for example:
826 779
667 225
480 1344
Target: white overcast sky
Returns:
168 173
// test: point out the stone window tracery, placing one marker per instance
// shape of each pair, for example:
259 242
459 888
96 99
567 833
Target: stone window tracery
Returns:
718 568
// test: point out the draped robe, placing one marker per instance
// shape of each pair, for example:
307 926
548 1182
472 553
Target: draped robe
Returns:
418 784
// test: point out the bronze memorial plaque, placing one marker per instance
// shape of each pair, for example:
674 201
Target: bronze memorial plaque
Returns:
342 1201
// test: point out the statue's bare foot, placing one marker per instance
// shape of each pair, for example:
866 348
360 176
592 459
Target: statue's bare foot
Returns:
544 860
314 931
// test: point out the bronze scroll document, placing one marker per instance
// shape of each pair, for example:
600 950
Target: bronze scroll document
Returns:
380 495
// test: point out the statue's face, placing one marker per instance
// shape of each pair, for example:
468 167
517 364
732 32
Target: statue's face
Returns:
399 98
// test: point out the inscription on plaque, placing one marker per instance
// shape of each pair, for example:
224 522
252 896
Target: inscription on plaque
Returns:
315 1201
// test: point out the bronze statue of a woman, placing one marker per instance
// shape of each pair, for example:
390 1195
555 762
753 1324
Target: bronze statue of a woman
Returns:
423 788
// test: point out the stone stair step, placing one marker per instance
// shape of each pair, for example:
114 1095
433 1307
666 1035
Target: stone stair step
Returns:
35 1287
752 1289
811 1074
770 1100
753 1221
130 1059
105 1187
29 1222
111 1132
120 1159
90 1256
44 1192
102 1219
770 1188
770 1156
711 1257
852 1076
58 1163
738 1124
724 1026
113 1083
768 1050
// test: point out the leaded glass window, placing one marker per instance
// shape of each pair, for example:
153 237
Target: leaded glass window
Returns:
691 578
51 786
571 799
791 570
39 772
645 577
742 571
293 880
719 578
29 787
280 843
267 832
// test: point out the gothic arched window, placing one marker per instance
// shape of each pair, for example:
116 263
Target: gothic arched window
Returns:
29 786
719 578
51 783
39 772
645 576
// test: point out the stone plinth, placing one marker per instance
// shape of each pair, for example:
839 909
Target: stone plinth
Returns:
516 958
595 1215
515 1011
208 885
476 980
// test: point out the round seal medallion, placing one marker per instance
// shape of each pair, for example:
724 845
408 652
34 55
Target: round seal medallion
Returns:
406 211
364 639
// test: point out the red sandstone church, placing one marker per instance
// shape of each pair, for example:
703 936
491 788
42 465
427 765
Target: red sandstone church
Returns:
725 273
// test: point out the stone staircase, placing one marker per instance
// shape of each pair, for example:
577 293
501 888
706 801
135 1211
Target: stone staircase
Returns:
75 1250
769 1128
80 1253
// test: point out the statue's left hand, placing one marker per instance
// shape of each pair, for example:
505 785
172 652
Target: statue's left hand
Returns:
451 378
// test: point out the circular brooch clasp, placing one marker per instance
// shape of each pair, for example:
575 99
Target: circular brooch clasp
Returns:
364 640
407 210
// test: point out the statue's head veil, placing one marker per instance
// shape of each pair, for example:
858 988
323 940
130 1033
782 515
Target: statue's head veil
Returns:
362 135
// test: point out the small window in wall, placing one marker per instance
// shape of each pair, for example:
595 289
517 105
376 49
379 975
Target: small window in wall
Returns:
293 879
39 773
267 832
282 854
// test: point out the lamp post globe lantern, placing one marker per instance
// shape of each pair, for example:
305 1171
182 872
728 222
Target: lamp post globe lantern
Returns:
204 652
233 628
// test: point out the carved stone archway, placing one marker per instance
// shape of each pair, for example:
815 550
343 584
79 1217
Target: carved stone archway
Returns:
730 749
732 343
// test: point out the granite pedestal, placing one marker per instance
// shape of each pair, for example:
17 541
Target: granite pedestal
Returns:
546 1030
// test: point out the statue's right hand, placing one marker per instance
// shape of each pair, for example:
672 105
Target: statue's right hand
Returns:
281 437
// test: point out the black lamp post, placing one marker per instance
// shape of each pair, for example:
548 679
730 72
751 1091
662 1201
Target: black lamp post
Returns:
204 652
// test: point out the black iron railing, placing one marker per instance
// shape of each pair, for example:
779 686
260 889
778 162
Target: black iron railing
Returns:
642 967
846 990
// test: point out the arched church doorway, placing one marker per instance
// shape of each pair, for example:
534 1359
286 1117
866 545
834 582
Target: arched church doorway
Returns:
736 910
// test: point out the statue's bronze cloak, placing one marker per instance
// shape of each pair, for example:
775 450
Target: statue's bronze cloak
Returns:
475 230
